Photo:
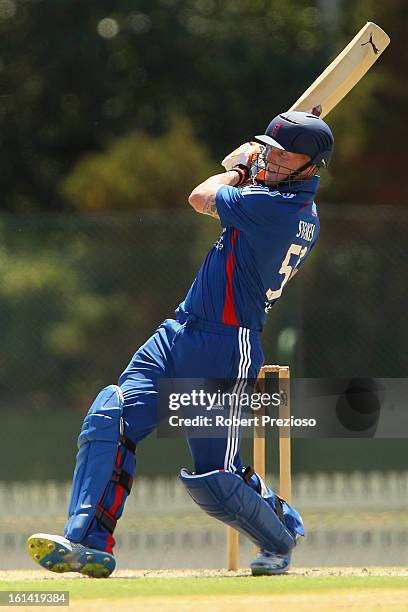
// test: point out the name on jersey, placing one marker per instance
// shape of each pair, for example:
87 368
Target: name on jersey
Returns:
306 231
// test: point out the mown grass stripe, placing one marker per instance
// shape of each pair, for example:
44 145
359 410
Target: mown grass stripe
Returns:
142 587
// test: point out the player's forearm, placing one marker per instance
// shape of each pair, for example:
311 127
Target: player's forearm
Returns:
202 198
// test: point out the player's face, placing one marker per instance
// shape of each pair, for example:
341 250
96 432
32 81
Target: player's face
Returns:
281 164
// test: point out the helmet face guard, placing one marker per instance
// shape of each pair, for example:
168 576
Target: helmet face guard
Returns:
262 167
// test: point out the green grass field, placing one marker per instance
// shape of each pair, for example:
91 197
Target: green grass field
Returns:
225 593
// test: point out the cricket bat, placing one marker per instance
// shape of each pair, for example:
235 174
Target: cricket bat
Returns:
344 72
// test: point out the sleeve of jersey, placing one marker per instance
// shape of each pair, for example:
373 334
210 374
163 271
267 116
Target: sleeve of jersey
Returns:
247 211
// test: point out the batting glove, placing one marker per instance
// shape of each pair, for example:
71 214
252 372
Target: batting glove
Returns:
245 155
241 159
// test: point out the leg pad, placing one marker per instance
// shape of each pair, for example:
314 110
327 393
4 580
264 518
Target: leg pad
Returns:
227 497
99 472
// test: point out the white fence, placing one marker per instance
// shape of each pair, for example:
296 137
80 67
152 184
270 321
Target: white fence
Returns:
356 519
372 490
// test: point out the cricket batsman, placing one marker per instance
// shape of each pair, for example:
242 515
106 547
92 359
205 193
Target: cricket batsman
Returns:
264 202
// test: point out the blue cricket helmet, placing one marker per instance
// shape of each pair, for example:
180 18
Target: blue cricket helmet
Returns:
300 132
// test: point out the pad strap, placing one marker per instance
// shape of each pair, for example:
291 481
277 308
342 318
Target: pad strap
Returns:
105 519
131 446
279 509
254 481
248 473
122 478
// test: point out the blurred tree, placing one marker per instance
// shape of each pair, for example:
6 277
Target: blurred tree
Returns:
80 293
139 171
370 125
77 75
50 316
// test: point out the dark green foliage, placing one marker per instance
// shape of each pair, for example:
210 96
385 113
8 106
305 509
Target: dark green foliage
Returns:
139 171
123 106
77 76
370 125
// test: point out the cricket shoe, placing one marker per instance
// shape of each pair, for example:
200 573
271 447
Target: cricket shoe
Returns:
57 554
270 564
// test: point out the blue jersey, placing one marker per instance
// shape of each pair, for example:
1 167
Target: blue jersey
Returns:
267 235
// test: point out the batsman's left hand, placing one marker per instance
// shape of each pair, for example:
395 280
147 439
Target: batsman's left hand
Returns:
245 155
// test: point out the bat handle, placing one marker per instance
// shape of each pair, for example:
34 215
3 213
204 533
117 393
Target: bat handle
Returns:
316 110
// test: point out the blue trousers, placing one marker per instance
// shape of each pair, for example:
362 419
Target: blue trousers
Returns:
190 349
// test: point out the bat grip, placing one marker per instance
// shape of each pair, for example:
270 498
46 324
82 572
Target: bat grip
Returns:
316 110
